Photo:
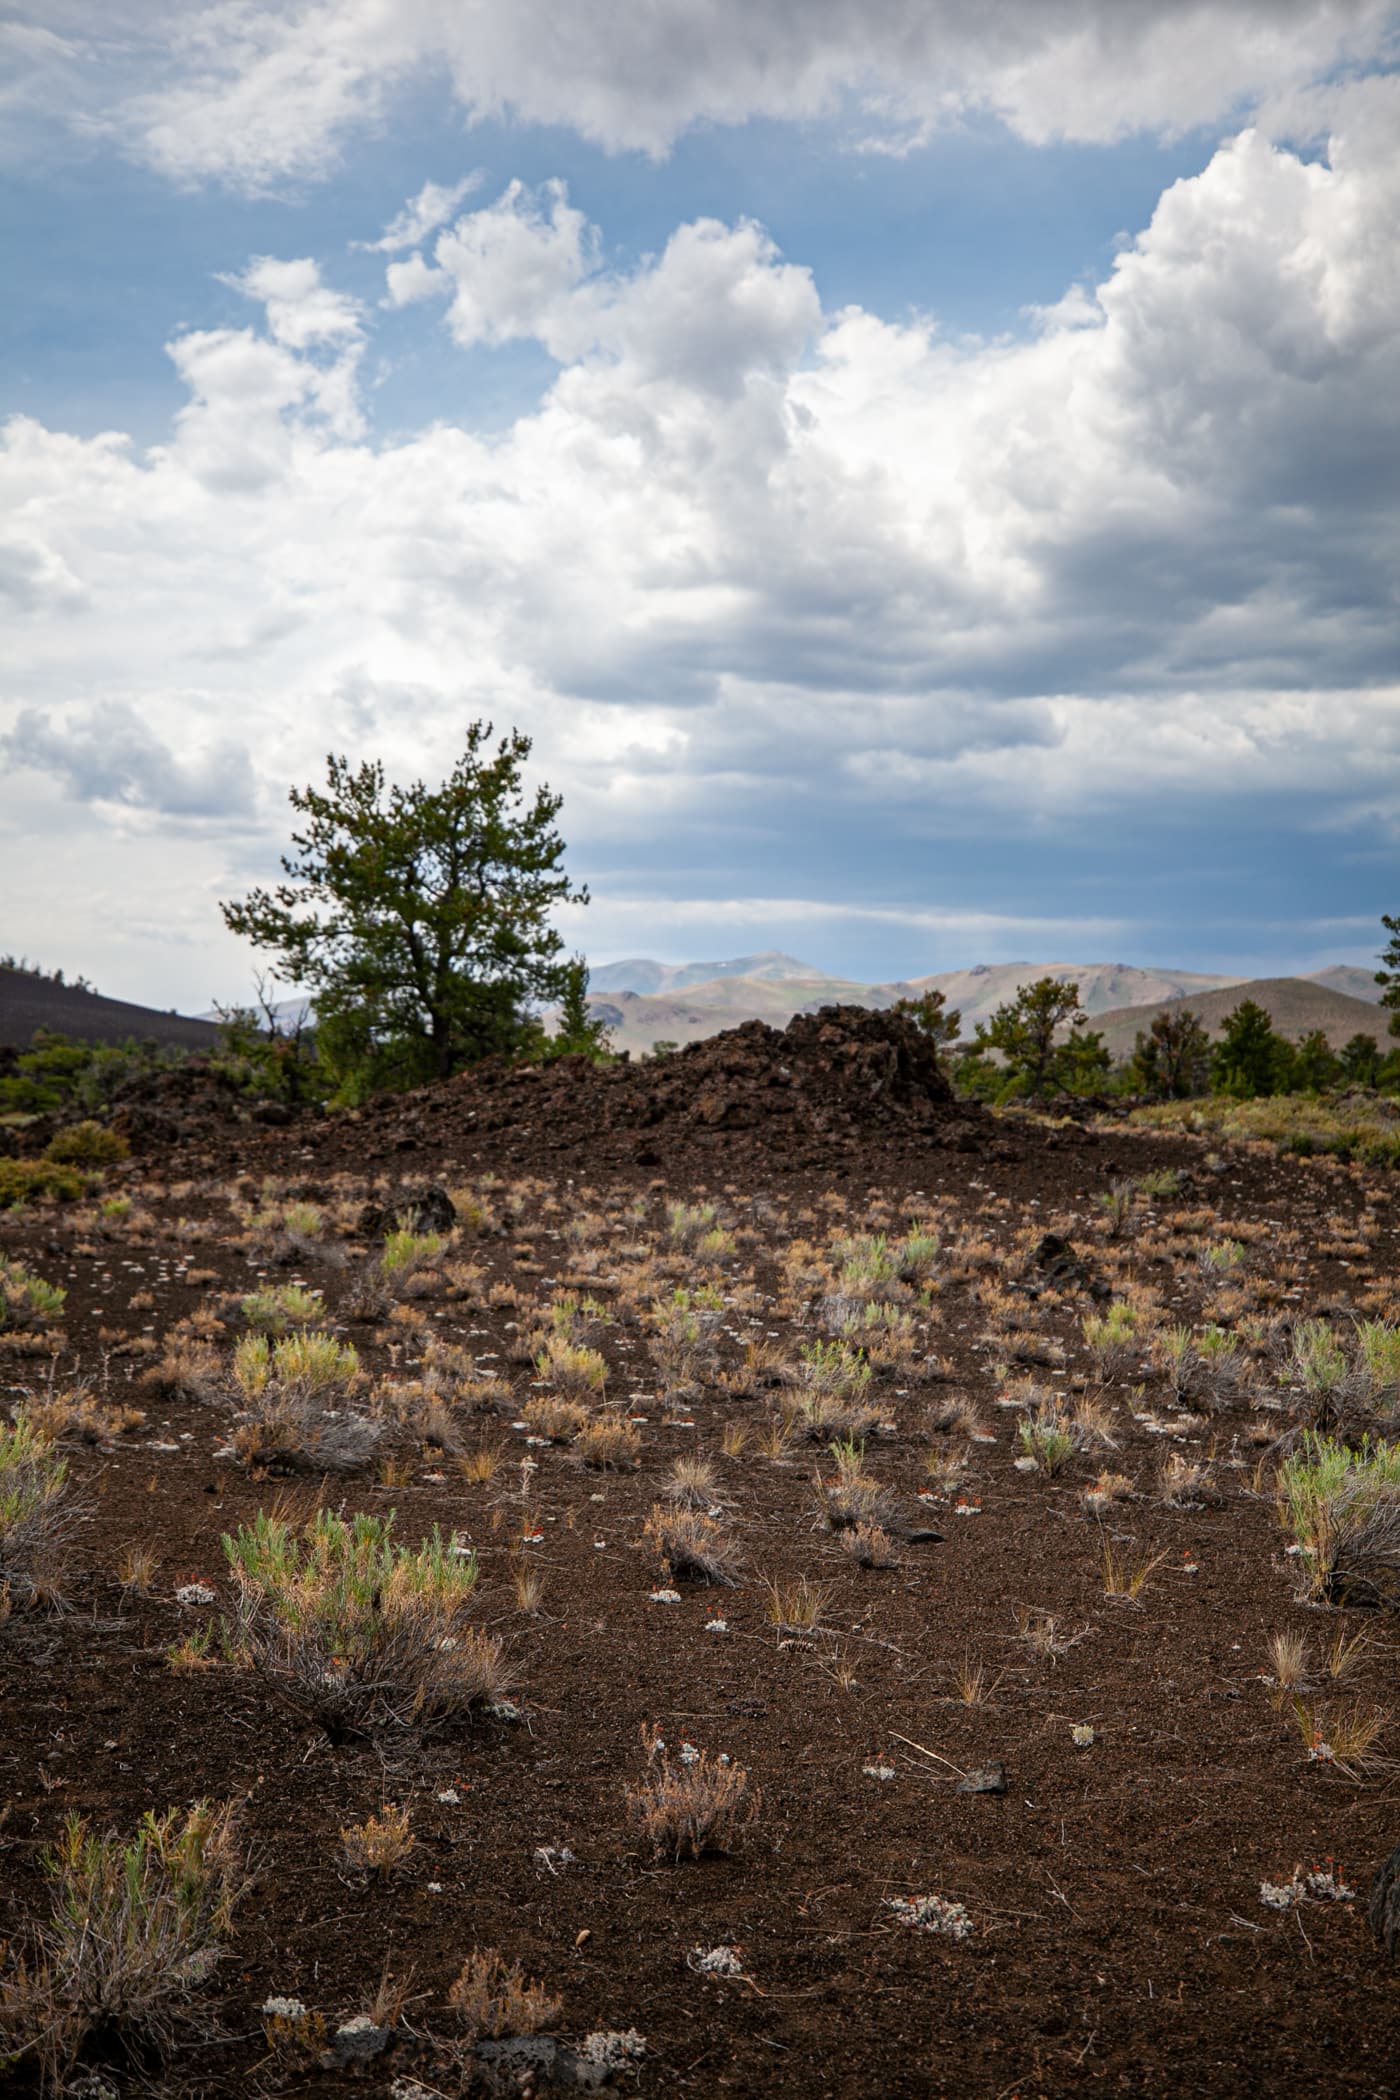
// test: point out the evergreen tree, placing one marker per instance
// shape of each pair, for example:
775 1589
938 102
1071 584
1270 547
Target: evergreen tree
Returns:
1044 1038
1171 1060
418 917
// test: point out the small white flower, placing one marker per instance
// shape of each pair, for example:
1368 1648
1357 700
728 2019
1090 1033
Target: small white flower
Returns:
715 1961
879 1771
716 1625
665 1596
449 1797
1082 1734
613 2052
283 2009
931 1914
689 1754
194 1593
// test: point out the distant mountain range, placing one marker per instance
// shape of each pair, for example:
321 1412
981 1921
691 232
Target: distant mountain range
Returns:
644 1001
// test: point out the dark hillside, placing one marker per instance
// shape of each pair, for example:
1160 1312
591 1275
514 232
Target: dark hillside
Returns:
27 1003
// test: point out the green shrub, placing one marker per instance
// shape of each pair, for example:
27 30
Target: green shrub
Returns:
291 1392
88 1144
36 1517
32 1180
1342 1506
27 1300
358 1633
278 1306
136 1929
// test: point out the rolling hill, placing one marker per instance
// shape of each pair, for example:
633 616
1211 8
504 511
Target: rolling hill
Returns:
28 1002
1295 1005
689 1008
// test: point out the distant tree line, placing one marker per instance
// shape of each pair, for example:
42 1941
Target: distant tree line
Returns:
1039 1047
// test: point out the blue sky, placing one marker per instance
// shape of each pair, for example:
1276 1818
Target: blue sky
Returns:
926 477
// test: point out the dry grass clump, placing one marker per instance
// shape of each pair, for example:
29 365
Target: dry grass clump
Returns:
136 1929
137 1568
79 1416
1344 1737
692 1483
869 1546
1186 1483
849 1495
1044 1632
379 1847
482 1464
1106 1492
1288 1655
689 1544
796 1605
608 1441
1048 1436
37 1517
1125 1577
696 1805
492 1998
553 1419
358 1633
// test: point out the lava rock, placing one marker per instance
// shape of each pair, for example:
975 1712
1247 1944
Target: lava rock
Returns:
1383 1910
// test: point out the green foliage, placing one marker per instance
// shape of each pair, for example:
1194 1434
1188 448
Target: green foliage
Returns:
1360 1061
357 1631
88 1144
1388 975
419 917
578 1033
30 1180
26 1299
1044 1038
275 1307
1315 1065
55 1074
1342 1505
136 1929
933 1017
23 967
1171 1060
259 1056
1250 1059
34 1519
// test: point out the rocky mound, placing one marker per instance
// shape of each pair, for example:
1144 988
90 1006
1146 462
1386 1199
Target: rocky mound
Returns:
841 1074
829 1081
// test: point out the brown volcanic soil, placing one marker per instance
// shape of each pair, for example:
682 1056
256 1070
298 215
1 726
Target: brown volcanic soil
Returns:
1119 1944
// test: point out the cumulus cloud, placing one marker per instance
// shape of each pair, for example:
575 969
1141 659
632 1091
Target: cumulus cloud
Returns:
301 310
109 754
1140 560
423 214
253 92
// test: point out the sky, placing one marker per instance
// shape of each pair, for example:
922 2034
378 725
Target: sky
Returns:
924 473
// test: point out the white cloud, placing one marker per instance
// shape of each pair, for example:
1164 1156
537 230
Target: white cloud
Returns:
252 92
1142 559
300 309
423 214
